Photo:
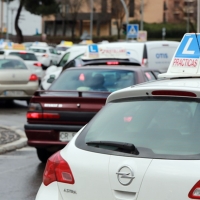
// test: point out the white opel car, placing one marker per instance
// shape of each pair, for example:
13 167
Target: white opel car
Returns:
143 144
46 55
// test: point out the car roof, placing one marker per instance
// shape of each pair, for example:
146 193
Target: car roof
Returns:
40 47
117 67
16 50
185 85
10 57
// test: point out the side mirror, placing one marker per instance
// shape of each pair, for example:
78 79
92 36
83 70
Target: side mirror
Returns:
51 79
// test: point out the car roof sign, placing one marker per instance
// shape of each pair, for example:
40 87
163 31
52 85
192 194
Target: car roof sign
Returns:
186 59
103 51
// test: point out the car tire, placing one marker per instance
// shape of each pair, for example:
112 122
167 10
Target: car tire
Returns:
43 154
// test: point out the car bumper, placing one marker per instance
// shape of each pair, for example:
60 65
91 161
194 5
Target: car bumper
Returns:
44 135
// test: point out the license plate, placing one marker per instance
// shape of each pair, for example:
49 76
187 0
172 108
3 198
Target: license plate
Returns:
13 93
66 136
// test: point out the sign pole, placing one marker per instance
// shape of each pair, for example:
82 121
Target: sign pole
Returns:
127 14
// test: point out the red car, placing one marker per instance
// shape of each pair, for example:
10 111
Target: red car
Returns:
55 115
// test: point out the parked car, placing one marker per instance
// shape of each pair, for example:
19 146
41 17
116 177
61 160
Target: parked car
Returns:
17 81
80 62
144 143
29 58
46 55
55 115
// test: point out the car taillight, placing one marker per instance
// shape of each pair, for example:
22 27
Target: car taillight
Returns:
45 55
38 64
144 62
112 63
22 52
36 115
57 169
195 191
173 93
34 107
33 77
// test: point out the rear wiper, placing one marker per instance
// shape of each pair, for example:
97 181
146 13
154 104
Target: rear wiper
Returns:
122 146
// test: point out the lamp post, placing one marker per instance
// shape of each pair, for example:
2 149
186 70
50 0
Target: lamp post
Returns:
141 14
1 18
198 16
127 14
7 18
91 18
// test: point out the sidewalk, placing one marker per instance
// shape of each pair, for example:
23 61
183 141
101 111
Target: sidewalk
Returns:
11 138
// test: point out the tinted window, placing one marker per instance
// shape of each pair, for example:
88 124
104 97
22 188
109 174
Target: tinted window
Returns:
149 76
25 56
38 50
11 64
158 127
64 59
62 48
94 80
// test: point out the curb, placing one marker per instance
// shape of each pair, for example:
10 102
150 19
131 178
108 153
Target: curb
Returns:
22 142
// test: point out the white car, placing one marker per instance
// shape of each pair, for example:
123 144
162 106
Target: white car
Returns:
46 55
29 58
17 81
143 144
54 71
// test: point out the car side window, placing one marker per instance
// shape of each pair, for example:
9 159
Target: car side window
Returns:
149 76
156 73
64 59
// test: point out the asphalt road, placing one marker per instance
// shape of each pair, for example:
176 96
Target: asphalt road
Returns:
20 174
20 170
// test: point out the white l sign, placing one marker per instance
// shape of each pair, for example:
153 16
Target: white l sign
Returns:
185 50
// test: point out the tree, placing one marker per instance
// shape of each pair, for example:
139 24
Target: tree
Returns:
37 7
73 7
118 14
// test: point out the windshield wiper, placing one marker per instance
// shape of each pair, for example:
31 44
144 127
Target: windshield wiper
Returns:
121 146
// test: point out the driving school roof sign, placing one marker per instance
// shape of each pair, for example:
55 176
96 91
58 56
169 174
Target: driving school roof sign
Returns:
104 51
186 59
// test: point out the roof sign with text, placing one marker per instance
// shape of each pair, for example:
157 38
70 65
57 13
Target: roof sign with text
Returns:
186 59
102 51
66 43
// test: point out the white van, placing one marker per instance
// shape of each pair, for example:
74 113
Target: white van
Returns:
155 54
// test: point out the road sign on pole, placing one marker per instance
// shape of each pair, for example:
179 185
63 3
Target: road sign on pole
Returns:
132 30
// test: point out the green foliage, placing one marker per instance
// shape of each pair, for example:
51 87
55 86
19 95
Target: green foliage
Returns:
41 7
173 31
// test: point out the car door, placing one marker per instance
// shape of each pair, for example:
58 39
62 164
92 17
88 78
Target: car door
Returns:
53 55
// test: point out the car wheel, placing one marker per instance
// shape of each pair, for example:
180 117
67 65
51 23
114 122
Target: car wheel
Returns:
43 154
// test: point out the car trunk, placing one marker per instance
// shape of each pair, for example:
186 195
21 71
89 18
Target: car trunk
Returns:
152 179
72 107
12 76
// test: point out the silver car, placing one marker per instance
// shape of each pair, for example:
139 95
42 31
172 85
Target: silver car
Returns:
17 81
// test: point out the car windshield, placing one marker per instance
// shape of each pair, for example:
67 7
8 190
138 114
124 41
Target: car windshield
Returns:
62 48
38 50
11 64
157 127
25 56
94 80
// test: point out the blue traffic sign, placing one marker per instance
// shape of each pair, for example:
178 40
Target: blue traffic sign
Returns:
132 30
189 47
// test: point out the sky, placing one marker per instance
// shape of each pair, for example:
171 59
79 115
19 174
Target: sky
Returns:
28 22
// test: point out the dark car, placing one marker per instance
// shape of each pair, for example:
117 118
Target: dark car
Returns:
55 115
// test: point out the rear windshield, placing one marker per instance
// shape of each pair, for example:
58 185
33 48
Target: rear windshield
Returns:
38 50
62 48
25 56
159 128
11 64
94 80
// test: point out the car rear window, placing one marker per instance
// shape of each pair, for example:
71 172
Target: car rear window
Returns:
62 48
94 80
11 64
38 50
167 128
24 55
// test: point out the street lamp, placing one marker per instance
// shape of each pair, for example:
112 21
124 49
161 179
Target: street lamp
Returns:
91 18
7 17
141 14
